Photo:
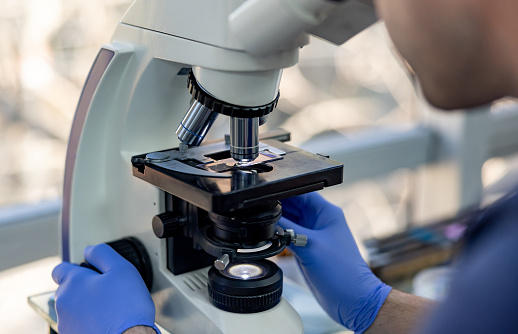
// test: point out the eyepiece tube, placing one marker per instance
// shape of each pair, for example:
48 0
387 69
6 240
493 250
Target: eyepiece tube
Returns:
196 124
244 138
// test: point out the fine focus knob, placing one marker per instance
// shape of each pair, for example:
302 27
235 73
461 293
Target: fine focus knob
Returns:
167 224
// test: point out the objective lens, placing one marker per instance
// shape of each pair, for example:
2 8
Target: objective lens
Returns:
244 138
245 271
196 124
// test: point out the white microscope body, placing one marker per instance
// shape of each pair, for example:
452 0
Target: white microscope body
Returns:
133 100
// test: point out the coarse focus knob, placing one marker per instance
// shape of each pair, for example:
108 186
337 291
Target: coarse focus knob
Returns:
167 224
135 253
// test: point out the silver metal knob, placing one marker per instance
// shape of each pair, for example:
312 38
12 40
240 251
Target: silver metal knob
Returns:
183 147
299 240
158 157
222 262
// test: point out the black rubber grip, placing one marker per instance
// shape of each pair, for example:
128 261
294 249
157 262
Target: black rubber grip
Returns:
134 252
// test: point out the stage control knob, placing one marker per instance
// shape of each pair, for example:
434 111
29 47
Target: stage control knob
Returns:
168 224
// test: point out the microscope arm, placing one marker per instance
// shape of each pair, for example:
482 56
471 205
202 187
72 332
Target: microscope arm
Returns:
288 22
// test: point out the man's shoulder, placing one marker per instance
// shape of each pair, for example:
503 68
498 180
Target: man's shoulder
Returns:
483 295
495 224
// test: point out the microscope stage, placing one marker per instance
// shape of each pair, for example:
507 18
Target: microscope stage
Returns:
207 177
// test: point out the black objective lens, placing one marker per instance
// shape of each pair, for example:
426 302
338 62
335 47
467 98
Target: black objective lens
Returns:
246 287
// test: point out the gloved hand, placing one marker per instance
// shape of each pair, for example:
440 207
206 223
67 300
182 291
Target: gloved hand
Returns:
336 273
91 303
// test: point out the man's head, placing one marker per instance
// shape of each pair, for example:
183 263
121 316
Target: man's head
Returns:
464 52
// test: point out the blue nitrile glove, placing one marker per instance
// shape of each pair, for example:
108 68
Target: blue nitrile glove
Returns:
336 273
110 303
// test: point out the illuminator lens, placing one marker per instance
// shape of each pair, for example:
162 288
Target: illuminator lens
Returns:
245 271
246 287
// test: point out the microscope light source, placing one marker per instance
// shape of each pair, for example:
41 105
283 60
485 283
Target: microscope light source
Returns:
246 287
245 271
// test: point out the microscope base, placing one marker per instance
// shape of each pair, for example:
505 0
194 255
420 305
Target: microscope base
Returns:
43 304
281 319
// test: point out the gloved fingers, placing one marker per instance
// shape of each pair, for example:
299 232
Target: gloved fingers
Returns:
103 257
64 270
285 223
293 208
310 210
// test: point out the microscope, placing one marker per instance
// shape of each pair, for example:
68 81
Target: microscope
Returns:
198 219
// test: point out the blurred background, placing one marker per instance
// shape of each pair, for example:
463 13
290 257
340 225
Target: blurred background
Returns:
46 50
354 93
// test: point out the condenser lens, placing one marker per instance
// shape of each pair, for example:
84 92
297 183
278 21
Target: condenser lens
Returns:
245 271
246 287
